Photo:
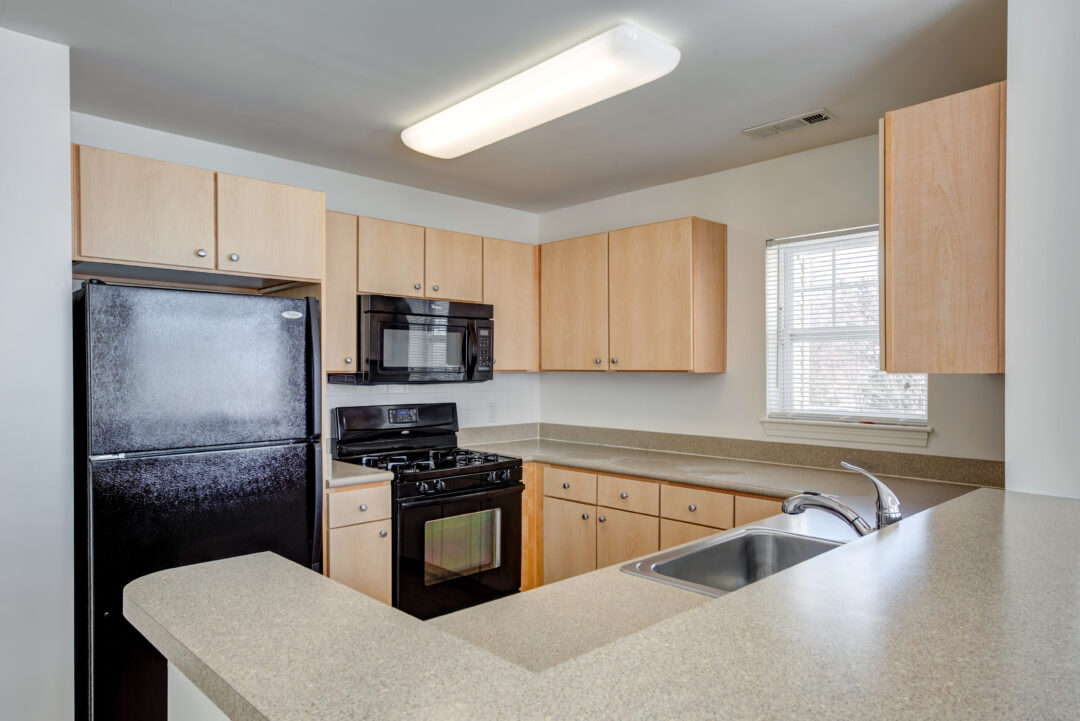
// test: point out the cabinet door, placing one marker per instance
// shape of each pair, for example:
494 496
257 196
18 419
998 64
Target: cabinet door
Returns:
651 297
144 211
510 287
390 258
621 535
269 229
748 510
676 533
569 539
574 304
338 310
943 239
453 265
361 556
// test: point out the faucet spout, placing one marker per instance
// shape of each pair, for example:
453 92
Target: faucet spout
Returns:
888 505
812 499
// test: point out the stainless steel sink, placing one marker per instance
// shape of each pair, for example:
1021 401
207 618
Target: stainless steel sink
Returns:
727 562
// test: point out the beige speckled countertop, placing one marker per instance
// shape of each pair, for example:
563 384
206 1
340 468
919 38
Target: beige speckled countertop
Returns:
352 474
968 610
767 479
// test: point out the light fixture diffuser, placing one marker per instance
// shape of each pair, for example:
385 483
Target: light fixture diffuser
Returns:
613 62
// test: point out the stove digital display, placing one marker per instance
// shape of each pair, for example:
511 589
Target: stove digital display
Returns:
402 415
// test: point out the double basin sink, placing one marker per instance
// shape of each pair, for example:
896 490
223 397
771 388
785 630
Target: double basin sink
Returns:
727 562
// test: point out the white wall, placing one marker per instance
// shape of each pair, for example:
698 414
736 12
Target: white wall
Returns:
1042 249
823 189
36 604
512 398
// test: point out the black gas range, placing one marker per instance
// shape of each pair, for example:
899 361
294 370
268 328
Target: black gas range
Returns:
456 512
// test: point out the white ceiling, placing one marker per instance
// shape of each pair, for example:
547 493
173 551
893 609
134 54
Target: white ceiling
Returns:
333 82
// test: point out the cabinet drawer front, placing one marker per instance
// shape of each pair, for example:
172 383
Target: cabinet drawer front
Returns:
628 495
361 557
676 533
697 505
748 510
621 536
359 506
570 485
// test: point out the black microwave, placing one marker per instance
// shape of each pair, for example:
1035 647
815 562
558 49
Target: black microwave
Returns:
418 340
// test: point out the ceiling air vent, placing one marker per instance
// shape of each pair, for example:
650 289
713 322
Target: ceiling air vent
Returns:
788 124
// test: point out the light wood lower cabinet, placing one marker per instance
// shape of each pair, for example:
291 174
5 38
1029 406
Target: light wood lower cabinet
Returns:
676 533
569 539
337 312
532 501
749 509
621 535
361 557
697 505
570 485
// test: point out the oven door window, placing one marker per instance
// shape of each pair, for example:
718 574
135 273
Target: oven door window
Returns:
432 348
462 545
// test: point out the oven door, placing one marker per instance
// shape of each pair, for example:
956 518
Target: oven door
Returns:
453 552
417 349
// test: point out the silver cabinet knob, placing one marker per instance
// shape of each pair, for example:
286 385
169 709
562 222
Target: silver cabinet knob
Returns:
584 516
693 507
566 485
597 361
234 257
614 360
382 534
348 359
601 519
363 506
435 287
417 286
624 495
201 252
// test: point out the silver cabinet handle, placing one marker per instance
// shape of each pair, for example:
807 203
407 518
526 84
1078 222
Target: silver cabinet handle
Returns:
363 506
584 516
382 534
614 360
624 495
348 359
435 287
601 519
234 257
201 252
566 485
597 361
693 507
417 286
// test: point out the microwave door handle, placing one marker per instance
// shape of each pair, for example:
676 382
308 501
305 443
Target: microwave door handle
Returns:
474 349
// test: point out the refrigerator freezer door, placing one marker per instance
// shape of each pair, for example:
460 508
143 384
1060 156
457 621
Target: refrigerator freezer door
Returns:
170 369
157 512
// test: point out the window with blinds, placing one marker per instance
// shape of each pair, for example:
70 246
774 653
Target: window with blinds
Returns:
823 336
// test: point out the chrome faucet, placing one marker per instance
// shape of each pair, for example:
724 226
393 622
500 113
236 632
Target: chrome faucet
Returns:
888 505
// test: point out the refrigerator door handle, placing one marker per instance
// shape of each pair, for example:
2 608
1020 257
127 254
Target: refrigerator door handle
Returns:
317 526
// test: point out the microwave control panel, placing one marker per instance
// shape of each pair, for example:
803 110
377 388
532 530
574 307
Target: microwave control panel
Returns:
484 336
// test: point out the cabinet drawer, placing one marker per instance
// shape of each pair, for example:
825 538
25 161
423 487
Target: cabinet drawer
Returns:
570 485
748 510
628 495
360 556
697 505
359 506
676 533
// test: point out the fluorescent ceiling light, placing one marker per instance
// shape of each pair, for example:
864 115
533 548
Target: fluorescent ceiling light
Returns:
613 62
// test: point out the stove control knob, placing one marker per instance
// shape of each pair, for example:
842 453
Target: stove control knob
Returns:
504 474
422 487
440 486
492 477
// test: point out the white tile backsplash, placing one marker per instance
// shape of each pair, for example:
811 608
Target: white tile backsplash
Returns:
508 399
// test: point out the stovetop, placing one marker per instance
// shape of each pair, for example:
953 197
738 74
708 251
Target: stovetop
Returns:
441 471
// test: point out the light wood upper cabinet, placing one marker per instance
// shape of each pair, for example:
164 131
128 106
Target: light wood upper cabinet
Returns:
942 233
269 229
139 210
667 296
574 304
510 286
361 557
453 265
621 535
569 539
390 258
338 307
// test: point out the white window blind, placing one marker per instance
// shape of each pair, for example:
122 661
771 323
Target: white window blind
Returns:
823 334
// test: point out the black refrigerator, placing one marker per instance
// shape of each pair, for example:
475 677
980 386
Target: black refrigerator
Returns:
197 427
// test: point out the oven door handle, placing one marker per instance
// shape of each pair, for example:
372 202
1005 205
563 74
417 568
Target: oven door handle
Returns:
474 350
439 500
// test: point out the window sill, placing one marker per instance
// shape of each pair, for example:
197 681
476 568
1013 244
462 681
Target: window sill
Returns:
875 433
